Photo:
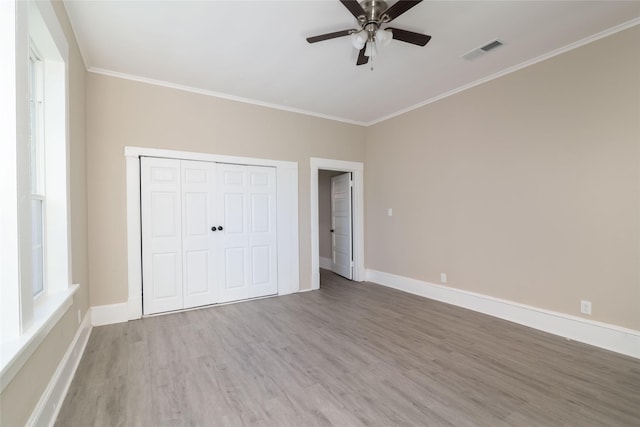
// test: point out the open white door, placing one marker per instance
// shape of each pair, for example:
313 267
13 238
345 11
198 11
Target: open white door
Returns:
341 224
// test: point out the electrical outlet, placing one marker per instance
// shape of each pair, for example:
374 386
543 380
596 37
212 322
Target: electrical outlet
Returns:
389 212
443 277
585 307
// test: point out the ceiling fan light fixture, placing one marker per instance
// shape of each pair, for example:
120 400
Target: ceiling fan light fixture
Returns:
371 50
359 39
383 37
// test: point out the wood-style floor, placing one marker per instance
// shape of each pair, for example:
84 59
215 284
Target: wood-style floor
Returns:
347 355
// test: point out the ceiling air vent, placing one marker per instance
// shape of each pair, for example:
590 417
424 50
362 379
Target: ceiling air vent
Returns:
473 54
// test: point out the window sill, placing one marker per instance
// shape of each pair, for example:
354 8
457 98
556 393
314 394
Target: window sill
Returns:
47 312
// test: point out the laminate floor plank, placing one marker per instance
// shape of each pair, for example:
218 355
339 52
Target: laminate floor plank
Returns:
349 354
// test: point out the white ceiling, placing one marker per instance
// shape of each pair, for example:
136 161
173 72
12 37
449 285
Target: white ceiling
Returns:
256 50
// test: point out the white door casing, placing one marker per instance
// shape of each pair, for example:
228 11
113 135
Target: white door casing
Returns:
161 205
357 171
199 243
341 226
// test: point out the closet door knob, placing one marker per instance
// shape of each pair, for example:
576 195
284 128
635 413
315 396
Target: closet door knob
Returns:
220 227
213 228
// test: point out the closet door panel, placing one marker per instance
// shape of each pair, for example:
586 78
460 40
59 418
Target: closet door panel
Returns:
261 190
234 239
161 234
261 265
234 267
199 241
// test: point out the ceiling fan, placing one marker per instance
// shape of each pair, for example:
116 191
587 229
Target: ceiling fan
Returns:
371 16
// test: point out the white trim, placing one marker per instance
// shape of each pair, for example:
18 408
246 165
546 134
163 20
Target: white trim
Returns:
15 353
218 95
50 20
287 225
48 407
357 170
533 61
13 167
206 157
326 263
109 314
599 334
134 243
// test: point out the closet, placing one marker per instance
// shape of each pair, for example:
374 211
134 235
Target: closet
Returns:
208 233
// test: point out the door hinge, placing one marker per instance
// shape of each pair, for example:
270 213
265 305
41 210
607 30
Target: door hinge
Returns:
350 183
351 264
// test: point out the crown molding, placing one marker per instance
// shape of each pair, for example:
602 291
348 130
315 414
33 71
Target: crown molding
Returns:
219 95
530 62
506 71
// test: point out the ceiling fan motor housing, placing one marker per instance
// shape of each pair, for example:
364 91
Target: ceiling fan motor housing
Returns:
373 17
373 10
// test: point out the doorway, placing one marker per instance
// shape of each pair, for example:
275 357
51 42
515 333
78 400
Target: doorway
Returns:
321 169
335 236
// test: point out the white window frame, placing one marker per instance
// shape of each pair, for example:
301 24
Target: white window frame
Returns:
36 139
26 320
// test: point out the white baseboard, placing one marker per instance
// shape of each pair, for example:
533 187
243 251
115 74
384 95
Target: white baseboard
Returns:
48 407
599 334
109 314
325 263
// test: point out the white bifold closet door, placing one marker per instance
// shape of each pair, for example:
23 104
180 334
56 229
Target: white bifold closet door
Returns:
198 242
247 209
208 233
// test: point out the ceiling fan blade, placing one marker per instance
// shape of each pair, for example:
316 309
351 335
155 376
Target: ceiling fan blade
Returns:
361 58
398 8
409 36
354 7
328 36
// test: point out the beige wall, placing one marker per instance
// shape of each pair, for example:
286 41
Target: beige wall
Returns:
524 188
124 112
324 211
21 395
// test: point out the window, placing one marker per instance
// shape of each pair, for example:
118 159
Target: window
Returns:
35 261
36 136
